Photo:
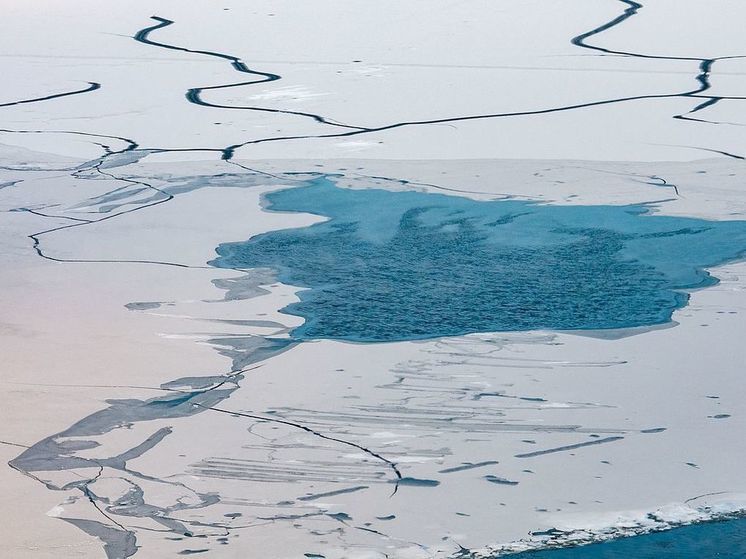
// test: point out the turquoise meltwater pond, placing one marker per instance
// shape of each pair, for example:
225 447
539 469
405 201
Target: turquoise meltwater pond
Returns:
388 266
709 540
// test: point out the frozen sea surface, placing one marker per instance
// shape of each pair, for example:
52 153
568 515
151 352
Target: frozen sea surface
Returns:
162 401
390 265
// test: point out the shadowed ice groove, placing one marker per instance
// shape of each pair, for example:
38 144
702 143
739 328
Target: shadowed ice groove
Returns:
408 265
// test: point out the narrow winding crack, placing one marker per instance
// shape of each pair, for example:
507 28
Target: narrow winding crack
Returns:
705 67
92 86
194 95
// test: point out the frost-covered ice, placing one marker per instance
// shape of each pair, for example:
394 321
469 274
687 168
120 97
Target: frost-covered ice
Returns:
160 406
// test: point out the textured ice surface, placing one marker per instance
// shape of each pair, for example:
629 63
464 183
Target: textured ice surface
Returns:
407 265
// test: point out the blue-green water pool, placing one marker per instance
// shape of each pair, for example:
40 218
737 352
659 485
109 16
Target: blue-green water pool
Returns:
388 266
709 540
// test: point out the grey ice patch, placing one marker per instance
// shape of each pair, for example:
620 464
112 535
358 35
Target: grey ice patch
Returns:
106 200
247 350
568 447
499 480
332 493
182 185
468 466
199 383
124 158
54 453
9 183
246 286
118 544
142 306
415 482
106 208
503 395
133 504
120 462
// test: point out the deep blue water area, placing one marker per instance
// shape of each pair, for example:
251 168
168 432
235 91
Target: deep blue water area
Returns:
710 540
390 265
